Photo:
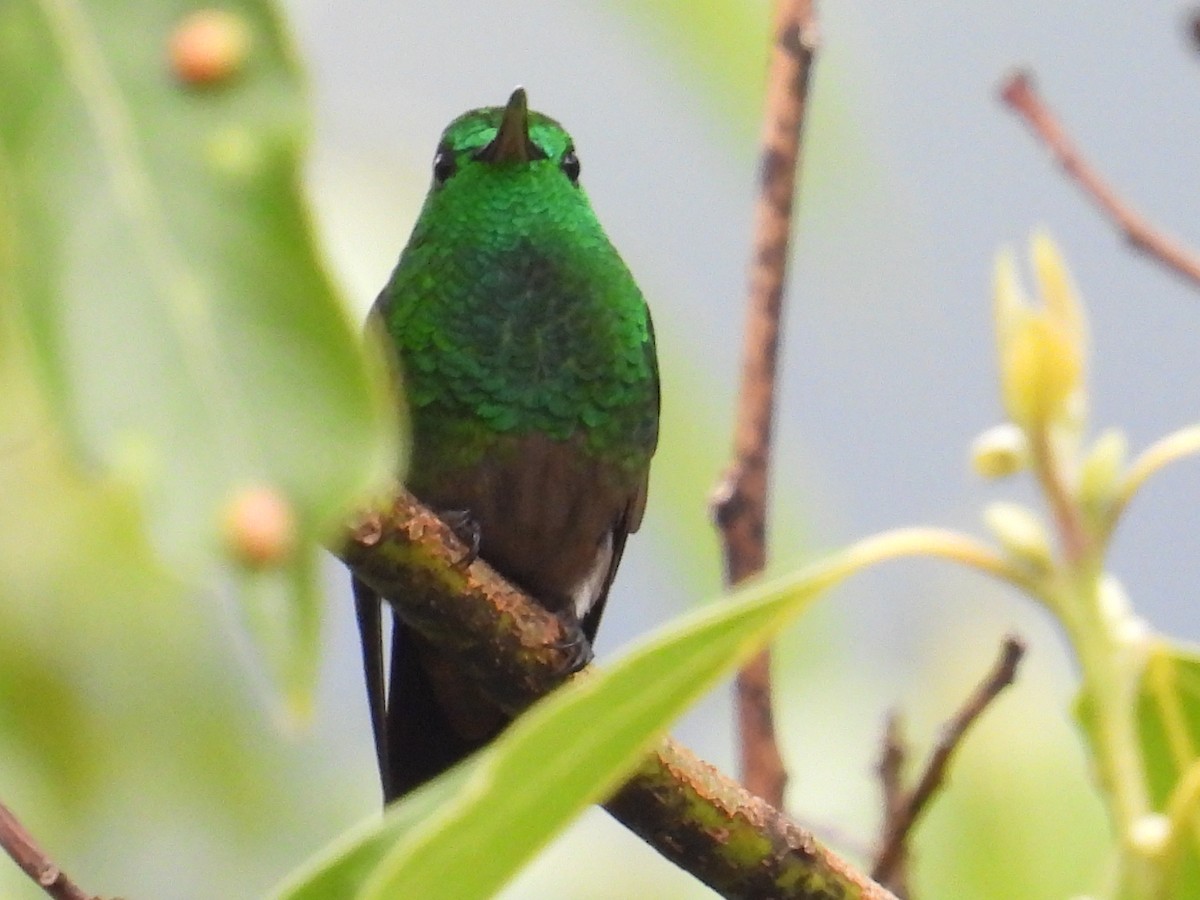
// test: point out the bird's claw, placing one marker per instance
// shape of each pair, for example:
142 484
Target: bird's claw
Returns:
574 644
466 529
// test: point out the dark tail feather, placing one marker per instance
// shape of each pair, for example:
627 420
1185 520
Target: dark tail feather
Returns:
421 743
368 609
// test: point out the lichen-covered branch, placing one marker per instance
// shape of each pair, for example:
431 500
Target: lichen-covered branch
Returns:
514 650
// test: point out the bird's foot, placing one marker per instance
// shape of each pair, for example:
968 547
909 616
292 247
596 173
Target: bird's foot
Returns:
574 643
466 529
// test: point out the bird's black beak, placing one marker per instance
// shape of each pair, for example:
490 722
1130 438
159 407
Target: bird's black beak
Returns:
512 143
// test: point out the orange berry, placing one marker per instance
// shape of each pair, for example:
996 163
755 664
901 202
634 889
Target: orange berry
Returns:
260 529
209 46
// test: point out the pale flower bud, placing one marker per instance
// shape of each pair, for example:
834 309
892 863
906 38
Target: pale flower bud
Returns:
1149 833
1000 451
1019 532
1100 474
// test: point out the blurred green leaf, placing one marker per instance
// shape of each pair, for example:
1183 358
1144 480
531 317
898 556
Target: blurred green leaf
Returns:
1019 787
1169 719
342 869
725 43
1168 714
571 750
183 340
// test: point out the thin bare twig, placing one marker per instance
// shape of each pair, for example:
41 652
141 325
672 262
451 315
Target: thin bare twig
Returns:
20 845
894 847
739 502
891 778
1019 94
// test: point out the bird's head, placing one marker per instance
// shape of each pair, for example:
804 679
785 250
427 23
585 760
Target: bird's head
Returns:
505 161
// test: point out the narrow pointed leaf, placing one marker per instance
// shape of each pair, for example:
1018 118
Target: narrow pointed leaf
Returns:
569 751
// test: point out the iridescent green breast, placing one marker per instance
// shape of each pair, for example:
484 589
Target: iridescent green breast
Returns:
512 312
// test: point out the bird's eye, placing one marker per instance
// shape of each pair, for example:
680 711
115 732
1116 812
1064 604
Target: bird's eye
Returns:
444 166
570 165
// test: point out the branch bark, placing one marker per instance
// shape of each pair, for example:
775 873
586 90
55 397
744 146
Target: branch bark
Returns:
514 650
902 813
891 779
25 852
1019 94
739 502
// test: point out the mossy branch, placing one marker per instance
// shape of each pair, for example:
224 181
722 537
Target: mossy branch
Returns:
514 650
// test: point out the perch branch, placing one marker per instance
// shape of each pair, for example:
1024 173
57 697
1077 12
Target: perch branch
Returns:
900 820
1019 94
20 845
514 651
739 502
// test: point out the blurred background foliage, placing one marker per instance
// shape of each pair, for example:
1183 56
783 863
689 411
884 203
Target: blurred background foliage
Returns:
136 736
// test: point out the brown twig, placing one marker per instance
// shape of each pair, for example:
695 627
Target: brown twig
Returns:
739 502
20 845
1019 94
513 649
891 778
899 823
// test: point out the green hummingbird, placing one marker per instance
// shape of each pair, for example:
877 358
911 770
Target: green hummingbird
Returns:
528 366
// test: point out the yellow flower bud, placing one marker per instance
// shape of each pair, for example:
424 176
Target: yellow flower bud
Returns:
1010 301
1041 349
1058 293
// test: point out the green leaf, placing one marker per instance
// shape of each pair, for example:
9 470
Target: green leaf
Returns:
695 35
1169 721
342 869
182 340
569 751
1168 717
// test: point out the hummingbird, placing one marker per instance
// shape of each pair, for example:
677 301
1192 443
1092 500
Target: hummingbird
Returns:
527 362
